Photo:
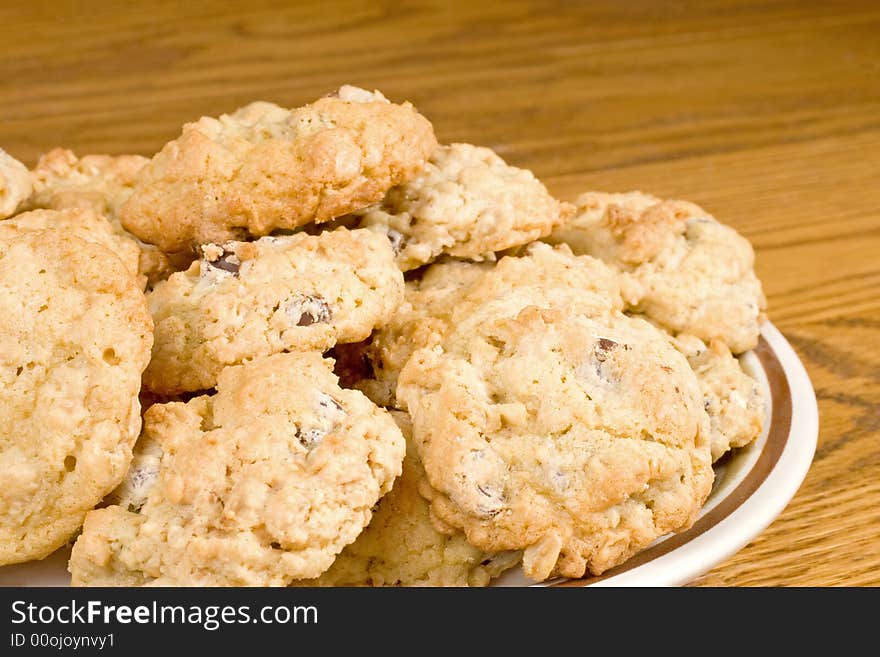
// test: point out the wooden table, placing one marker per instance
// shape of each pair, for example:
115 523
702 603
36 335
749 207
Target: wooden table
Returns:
767 114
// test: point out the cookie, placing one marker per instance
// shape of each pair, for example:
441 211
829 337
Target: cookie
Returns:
75 336
401 546
680 267
448 293
264 167
15 184
287 293
575 434
82 223
731 397
467 202
101 183
259 484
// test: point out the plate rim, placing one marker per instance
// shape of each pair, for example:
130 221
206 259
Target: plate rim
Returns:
681 558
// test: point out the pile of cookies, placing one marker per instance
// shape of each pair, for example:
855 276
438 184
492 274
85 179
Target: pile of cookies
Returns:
315 347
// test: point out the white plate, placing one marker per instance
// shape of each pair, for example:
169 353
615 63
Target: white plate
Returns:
752 486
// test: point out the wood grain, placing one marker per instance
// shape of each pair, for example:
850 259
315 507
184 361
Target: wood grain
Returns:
766 113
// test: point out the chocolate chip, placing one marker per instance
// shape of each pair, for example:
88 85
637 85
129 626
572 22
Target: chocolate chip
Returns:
603 346
305 310
307 319
222 259
225 265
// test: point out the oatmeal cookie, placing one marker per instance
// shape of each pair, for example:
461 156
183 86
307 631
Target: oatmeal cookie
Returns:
288 293
82 223
680 267
731 397
15 184
75 336
101 183
259 484
401 546
264 167
467 202
577 435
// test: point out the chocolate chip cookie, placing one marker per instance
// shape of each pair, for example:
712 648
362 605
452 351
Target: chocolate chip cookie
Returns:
288 293
259 484
264 167
576 434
